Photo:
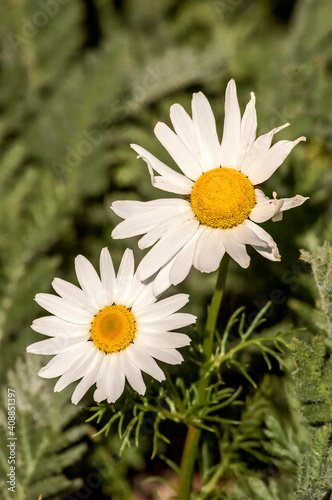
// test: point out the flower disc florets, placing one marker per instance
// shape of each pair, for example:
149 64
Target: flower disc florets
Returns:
223 198
113 329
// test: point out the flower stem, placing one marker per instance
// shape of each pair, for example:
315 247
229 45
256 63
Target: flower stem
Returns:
194 433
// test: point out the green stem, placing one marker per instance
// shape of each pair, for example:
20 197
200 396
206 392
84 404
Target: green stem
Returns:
194 433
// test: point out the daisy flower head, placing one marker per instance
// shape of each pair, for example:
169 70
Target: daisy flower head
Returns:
222 203
109 330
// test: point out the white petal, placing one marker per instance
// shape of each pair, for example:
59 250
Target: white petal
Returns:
56 327
76 371
143 222
165 249
293 202
64 361
63 309
230 144
270 252
89 379
101 391
260 147
164 340
90 282
171 356
243 234
162 280
154 164
184 158
161 230
144 362
265 209
183 261
73 294
162 308
169 186
211 251
145 298
248 128
126 208
176 320
206 132
132 373
184 127
115 378
268 162
107 273
236 250
55 345
124 280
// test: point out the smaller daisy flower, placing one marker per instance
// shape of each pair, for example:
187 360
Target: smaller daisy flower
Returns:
109 330
222 202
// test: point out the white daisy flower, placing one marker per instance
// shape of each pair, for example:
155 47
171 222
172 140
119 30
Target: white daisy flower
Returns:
222 202
109 330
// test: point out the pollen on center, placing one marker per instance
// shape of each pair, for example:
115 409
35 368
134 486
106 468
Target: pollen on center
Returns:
222 198
113 329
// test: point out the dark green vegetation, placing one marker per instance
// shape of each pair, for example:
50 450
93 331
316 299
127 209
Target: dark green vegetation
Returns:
79 82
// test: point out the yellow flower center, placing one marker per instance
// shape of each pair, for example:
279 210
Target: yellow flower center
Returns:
222 197
113 329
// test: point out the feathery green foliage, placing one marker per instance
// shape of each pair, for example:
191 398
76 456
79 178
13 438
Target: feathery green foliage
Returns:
46 441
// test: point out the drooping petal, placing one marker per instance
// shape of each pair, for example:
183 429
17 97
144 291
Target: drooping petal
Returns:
265 208
170 175
206 132
245 235
182 156
78 370
293 202
270 252
230 144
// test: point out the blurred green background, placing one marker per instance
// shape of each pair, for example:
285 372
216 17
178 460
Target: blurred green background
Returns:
80 81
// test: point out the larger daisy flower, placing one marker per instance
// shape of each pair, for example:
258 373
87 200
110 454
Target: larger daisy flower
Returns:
221 203
109 330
